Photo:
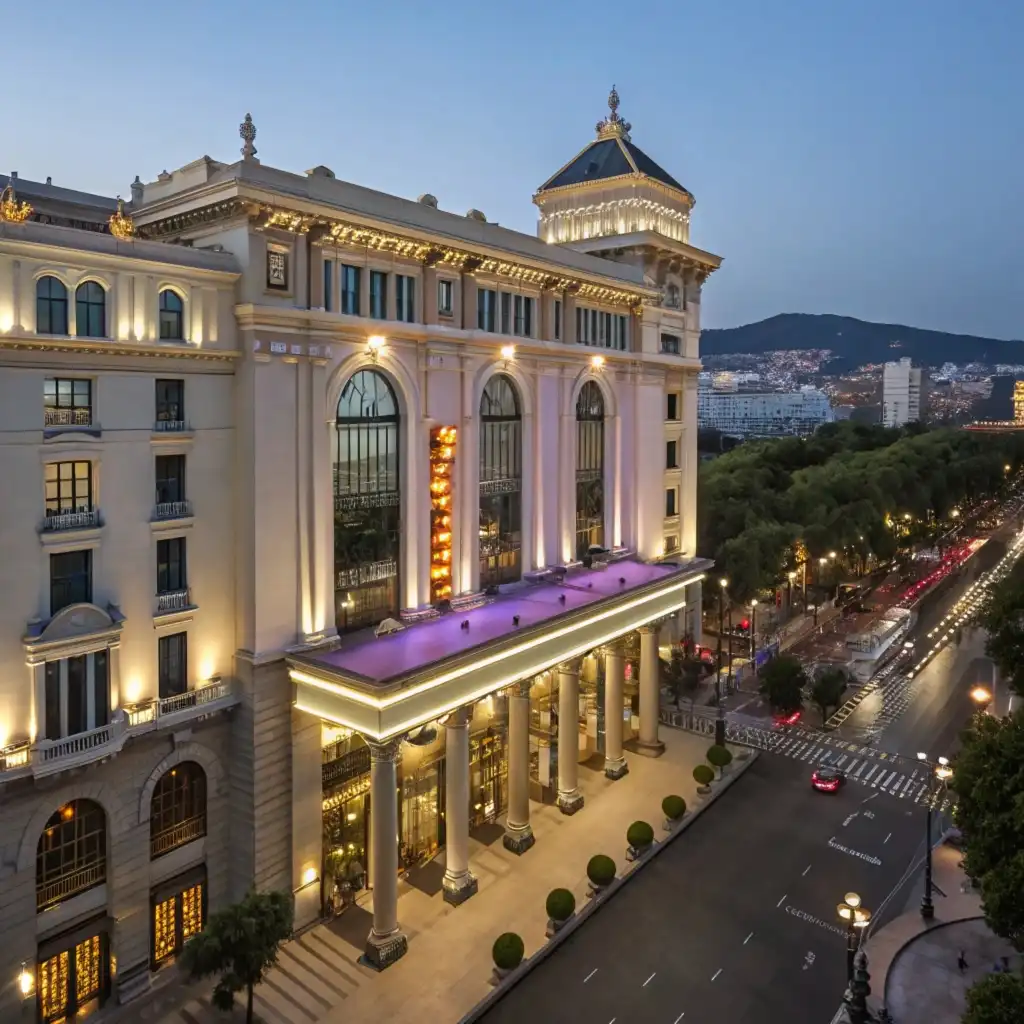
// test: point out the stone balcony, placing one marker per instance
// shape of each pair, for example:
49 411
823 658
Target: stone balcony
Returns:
48 757
83 519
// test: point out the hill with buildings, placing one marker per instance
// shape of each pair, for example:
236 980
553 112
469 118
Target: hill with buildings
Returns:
858 341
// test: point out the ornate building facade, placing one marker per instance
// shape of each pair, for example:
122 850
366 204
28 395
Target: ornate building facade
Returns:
331 525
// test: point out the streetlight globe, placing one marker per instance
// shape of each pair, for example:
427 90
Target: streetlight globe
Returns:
724 582
922 756
861 917
943 760
753 602
791 575
981 695
943 772
852 899
844 911
831 554
822 561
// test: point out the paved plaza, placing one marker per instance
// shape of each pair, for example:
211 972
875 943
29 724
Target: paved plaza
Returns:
319 977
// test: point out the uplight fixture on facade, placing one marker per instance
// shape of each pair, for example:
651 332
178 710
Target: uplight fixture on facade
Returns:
375 345
508 353
26 980
597 362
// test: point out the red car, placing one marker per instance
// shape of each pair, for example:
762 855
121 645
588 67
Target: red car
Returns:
827 780
790 719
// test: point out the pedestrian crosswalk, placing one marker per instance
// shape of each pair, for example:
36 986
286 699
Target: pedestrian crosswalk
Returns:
315 971
863 765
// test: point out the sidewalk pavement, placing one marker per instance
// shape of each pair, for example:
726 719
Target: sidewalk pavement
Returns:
913 964
448 968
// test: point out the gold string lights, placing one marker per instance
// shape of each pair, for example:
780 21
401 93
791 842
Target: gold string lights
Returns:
442 464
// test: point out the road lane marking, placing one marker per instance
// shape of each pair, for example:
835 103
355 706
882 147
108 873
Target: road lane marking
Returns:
648 981
861 768
806 869
854 853
716 974
679 1018
589 976
886 783
748 938
874 769
839 763
849 767
783 900
886 839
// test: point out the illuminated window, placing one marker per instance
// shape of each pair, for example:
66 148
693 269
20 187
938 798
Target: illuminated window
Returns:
178 809
589 469
67 402
73 982
500 482
71 856
176 918
90 310
51 306
172 665
68 487
172 316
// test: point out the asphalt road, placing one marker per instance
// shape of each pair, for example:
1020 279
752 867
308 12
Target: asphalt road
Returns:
736 920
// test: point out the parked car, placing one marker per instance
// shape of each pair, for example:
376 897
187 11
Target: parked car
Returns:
827 780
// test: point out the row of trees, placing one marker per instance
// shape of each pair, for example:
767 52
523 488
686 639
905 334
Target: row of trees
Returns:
989 783
849 486
785 685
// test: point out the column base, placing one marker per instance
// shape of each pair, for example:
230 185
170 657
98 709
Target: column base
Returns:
570 802
615 768
458 890
518 840
382 951
649 748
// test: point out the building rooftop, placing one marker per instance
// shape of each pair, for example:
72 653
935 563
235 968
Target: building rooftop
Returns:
383 660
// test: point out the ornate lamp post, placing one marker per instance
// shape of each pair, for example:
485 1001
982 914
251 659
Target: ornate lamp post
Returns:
982 697
943 773
821 565
753 630
790 576
720 717
856 918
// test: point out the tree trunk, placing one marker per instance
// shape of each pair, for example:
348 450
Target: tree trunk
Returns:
248 1005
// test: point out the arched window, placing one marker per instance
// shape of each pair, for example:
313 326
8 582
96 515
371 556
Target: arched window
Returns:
51 306
91 310
366 502
589 469
177 813
72 853
501 453
172 316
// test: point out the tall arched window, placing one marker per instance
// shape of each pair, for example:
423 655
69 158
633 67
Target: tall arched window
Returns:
177 813
172 316
72 853
589 469
90 310
51 306
501 453
366 502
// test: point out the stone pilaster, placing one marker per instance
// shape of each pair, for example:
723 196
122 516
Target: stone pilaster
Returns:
650 692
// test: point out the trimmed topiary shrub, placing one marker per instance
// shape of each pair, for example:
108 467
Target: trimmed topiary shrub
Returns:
673 807
639 835
560 904
601 870
703 775
507 951
719 756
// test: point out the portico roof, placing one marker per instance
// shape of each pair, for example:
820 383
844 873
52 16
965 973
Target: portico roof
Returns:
386 685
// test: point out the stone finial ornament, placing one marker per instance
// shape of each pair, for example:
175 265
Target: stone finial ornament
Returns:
613 125
247 133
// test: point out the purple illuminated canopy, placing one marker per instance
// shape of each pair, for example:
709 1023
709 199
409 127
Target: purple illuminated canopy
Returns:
381 660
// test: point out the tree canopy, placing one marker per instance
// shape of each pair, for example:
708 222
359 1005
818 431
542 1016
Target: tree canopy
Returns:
782 682
996 999
827 691
849 486
1003 619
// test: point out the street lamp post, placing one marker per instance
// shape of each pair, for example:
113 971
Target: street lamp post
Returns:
821 565
753 630
720 712
728 682
982 697
790 576
942 772
856 918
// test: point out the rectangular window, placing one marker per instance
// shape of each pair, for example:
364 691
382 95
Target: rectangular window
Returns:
277 269
70 579
523 326
558 319
170 401
620 332
350 289
173 664
670 344
170 565
673 405
175 920
671 544
328 285
75 982
606 331
671 455
67 402
78 701
670 502
445 297
486 304
170 478
53 726
506 313
405 298
101 688
68 487
378 295
581 327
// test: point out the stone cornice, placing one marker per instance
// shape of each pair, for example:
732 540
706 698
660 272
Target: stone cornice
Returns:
92 346
599 184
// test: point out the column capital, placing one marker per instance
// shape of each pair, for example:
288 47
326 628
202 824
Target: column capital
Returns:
460 717
521 688
614 649
569 668
389 751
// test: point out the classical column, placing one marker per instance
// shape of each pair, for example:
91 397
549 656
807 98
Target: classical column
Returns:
518 834
386 942
458 883
650 692
570 799
614 683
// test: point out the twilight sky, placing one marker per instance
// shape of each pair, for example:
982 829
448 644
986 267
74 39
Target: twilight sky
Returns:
862 158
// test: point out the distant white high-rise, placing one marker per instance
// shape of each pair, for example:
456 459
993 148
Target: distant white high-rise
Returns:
903 386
